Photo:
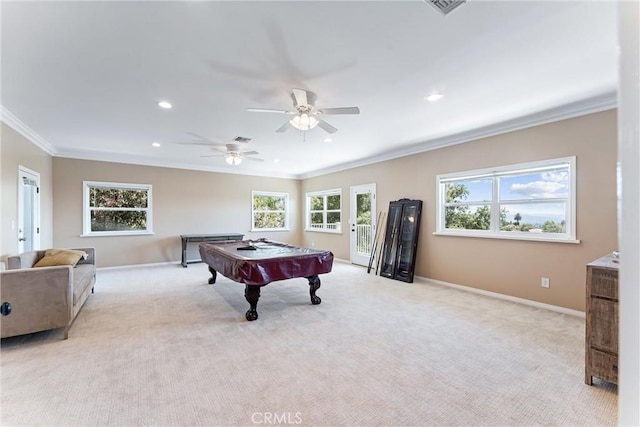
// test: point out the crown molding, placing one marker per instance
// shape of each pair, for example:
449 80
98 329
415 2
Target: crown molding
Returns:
102 156
596 104
19 126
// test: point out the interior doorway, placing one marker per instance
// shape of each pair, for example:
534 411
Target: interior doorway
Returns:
28 210
362 222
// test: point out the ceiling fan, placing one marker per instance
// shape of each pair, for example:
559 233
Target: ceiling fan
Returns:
233 155
210 143
306 115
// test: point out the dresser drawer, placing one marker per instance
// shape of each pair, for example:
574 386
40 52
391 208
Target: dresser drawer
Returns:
604 283
604 366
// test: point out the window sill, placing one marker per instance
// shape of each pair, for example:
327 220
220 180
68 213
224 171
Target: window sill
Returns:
509 237
119 233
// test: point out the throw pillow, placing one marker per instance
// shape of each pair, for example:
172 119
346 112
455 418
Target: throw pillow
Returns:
53 257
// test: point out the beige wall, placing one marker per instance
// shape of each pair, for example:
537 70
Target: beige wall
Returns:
16 151
504 266
194 202
184 202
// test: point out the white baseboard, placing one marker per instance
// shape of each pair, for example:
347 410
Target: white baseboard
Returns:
497 295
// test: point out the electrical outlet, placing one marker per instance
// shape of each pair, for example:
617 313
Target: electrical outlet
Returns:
544 282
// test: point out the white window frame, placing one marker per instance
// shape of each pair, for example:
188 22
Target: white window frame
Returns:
325 227
569 236
86 209
286 210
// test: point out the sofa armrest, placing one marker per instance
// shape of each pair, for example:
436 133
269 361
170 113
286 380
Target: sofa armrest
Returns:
41 299
91 255
24 260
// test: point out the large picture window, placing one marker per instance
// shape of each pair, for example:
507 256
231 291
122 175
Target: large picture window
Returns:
324 211
270 211
532 201
112 208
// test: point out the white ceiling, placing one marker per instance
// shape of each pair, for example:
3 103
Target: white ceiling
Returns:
83 78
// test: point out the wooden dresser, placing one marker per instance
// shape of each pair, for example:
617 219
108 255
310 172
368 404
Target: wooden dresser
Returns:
601 352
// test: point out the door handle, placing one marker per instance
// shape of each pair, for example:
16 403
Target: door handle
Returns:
22 239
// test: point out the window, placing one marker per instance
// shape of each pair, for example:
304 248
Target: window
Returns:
111 208
532 201
324 211
270 211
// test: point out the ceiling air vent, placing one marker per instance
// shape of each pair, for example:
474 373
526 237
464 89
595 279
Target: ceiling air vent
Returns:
445 6
241 139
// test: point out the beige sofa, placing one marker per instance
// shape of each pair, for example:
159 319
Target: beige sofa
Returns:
42 298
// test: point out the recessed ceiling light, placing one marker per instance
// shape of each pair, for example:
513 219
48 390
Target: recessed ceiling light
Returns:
433 97
156 144
327 140
164 104
276 160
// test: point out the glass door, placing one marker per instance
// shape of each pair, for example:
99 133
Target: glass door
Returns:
362 222
28 210
390 250
406 252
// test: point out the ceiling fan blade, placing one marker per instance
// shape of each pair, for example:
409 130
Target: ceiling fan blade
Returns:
249 153
195 135
205 144
284 127
268 110
300 96
326 126
340 110
214 155
255 159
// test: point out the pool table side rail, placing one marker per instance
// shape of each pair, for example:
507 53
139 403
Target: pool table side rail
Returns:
304 262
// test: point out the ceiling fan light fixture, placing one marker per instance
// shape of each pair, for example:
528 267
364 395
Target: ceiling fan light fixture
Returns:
433 97
233 159
304 122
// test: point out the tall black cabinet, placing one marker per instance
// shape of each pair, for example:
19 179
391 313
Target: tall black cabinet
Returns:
401 240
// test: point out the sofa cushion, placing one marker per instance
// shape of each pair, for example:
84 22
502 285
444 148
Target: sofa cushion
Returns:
53 257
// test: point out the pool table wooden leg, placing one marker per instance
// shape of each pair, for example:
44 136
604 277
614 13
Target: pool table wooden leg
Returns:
214 275
252 294
314 285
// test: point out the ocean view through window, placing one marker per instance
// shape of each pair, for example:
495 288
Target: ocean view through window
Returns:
531 201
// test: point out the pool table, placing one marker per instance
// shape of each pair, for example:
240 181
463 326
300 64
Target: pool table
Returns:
256 263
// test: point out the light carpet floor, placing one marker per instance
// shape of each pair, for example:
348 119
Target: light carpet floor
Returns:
159 346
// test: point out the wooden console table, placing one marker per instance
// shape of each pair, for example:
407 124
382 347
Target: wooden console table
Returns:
198 238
